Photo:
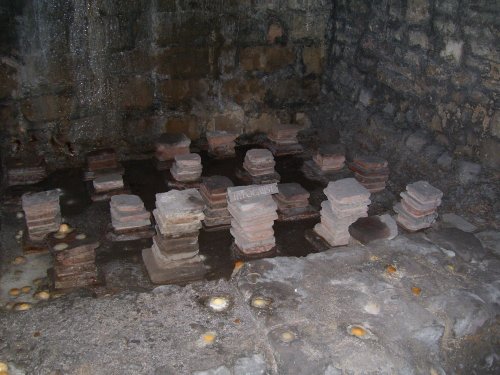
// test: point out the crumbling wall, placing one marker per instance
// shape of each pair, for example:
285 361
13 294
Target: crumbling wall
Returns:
79 74
423 72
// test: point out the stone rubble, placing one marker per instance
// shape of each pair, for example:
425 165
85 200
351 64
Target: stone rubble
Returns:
42 213
371 171
221 144
252 224
186 167
174 255
213 190
167 146
417 209
347 201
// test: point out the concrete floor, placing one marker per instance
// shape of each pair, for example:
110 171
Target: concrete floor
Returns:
436 314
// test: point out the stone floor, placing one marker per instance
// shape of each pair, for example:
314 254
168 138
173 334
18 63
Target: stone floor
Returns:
433 313
424 303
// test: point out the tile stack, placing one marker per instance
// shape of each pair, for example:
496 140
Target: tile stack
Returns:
167 146
186 168
283 140
108 184
174 255
129 218
348 200
213 190
328 161
259 164
25 171
252 223
42 213
330 158
293 202
101 163
417 209
74 262
371 171
221 144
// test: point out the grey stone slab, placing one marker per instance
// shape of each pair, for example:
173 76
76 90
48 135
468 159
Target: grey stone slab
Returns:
467 172
178 202
347 191
455 221
41 198
126 202
490 239
424 192
463 244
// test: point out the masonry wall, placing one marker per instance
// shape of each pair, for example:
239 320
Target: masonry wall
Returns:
80 74
426 70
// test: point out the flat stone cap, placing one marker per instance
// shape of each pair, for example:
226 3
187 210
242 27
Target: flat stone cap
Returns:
188 159
424 192
33 199
259 155
217 184
179 202
346 191
126 201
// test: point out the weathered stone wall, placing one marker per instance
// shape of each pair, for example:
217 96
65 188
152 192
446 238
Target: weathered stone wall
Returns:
79 74
428 69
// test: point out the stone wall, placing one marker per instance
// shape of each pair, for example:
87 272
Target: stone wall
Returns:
427 69
79 74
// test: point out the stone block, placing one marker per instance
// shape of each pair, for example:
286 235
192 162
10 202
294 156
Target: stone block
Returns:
8 81
418 38
46 107
313 59
232 119
266 59
306 26
264 123
135 92
495 124
142 129
177 93
294 91
120 31
275 33
88 130
184 28
490 153
244 90
130 62
468 172
180 62
186 124
417 11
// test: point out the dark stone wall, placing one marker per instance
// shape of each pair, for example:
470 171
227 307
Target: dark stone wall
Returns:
79 74
422 72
